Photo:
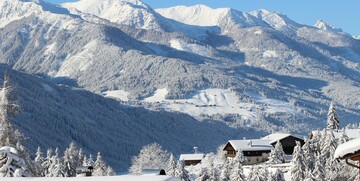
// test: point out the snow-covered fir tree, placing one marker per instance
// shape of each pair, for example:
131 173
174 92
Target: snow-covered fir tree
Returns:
70 160
225 171
298 164
56 168
277 155
203 175
328 146
308 155
237 172
90 161
333 121
100 168
10 161
80 157
150 157
110 171
309 176
39 159
181 172
47 162
255 174
319 172
171 167
343 137
264 173
278 175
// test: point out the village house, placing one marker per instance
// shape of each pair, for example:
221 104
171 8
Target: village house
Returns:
288 141
349 151
254 150
192 159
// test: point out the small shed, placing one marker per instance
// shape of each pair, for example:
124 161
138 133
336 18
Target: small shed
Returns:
84 171
288 141
349 150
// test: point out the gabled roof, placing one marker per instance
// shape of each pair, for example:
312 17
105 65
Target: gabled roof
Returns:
347 149
251 145
351 133
198 156
273 138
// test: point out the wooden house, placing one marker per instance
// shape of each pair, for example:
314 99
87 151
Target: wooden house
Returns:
254 150
288 141
349 151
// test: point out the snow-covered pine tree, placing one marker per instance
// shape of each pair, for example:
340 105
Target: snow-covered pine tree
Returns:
47 162
70 160
308 155
298 164
332 169
264 173
56 168
10 161
100 168
39 159
150 157
181 172
171 166
90 161
110 171
237 172
203 175
328 146
333 121
29 164
319 172
213 176
80 157
254 174
85 161
343 137
316 142
225 171
277 155
278 175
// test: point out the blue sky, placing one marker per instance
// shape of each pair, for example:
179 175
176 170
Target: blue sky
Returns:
341 13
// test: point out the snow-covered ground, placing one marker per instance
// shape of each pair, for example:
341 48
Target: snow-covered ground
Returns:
108 178
190 47
210 102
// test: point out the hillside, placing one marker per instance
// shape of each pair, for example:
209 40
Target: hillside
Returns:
53 116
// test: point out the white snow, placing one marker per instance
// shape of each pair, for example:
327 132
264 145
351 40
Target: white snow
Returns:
270 54
249 145
12 10
188 47
210 102
351 133
349 147
118 94
191 156
107 178
158 96
258 32
200 15
326 26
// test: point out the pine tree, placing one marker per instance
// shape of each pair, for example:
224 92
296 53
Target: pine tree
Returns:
90 161
100 168
328 147
85 161
277 155
308 155
332 169
56 168
343 137
254 174
11 162
333 121
203 175
298 164
264 173
319 172
309 176
225 171
171 167
47 162
277 176
110 171
237 172
70 160
80 157
39 159
181 172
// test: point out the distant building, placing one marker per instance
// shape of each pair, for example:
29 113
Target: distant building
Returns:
288 141
84 171
192 159
351 133
254 150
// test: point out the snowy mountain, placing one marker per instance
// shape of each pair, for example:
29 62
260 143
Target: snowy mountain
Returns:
257 69
129 12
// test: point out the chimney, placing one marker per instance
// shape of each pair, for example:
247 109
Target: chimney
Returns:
196 150
250 143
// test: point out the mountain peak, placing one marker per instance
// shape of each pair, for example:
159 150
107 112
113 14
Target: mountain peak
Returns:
320 24
134 13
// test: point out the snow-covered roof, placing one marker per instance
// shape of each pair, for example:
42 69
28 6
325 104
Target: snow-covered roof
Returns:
198 156
277 136
251 145
351 133
347 149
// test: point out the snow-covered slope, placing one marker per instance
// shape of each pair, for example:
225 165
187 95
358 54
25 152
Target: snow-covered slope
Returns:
129 12
108 178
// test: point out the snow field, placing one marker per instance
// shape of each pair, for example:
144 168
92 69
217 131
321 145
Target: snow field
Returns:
210 102
107 178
